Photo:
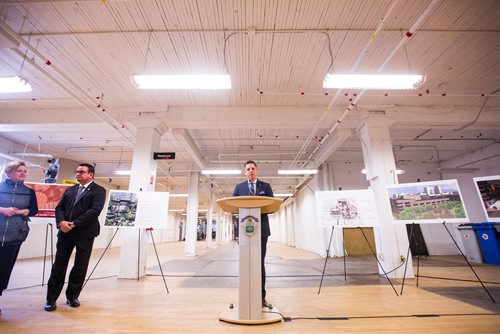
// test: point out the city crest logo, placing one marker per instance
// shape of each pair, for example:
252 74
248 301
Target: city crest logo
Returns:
250 225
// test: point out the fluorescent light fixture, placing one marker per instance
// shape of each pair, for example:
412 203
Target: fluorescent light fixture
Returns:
398 171
36 155
122 172
221 172
214 81
297 171
283 195
176 210
14 85
178 195
373 81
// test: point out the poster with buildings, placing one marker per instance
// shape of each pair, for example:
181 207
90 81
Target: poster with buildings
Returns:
47 197
488 188
427 202
143 209
346 208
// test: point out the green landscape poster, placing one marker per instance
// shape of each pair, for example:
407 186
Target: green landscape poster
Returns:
427 202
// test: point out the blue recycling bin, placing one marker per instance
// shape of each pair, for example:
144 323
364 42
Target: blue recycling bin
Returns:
489 239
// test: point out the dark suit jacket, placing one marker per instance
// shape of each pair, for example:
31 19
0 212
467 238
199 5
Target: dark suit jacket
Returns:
84 213
261 189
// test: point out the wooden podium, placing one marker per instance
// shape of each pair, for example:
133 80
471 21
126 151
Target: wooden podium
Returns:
249 308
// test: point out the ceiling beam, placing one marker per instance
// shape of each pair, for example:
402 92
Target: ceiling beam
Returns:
333 144
187 142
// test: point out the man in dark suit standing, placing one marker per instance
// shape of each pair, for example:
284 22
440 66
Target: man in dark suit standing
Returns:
255 187
77 220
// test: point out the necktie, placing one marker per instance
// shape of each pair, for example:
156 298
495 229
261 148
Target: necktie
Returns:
252 188
79 193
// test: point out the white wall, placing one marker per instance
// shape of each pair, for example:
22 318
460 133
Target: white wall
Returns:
487 160
308 236
303 232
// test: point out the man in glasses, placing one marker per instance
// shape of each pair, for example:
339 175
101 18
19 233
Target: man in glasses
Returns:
77 220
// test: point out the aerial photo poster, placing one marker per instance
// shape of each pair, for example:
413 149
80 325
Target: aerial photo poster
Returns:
427 202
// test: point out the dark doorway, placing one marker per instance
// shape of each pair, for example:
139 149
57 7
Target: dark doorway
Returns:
417 242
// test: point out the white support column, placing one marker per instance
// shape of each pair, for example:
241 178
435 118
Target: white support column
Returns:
219 225
210 216
391 240
224 217
192 215
133 259
228 226
224 222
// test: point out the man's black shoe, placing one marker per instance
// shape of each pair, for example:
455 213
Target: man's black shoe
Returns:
73 302
50 306
266 304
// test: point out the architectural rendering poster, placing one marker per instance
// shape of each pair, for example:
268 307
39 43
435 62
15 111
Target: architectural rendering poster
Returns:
488 188
346 208
47 197
427 202
142 209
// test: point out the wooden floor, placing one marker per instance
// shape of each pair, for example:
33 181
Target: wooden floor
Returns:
201 287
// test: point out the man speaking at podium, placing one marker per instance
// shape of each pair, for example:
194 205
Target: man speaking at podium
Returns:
255 187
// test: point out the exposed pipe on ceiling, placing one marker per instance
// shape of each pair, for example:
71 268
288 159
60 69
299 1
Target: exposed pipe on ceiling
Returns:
353 103
89 103
338 93
479 160
335 98
240 31
84 103
480 111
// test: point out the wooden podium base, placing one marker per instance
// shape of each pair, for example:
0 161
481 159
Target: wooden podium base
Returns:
231 316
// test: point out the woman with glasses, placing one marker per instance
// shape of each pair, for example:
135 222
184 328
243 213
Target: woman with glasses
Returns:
17 204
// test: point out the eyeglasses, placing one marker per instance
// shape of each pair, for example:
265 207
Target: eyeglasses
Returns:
80 172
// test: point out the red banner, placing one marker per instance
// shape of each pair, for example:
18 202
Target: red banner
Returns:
47 197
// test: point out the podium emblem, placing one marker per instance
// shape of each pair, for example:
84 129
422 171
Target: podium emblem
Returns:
250 225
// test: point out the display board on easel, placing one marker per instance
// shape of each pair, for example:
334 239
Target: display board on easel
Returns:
143 209
427 202
488 188
346 208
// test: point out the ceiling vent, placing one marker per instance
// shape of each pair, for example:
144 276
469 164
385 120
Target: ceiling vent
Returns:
376 112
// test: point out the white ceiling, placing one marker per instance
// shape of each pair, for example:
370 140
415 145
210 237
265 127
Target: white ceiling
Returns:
85 107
